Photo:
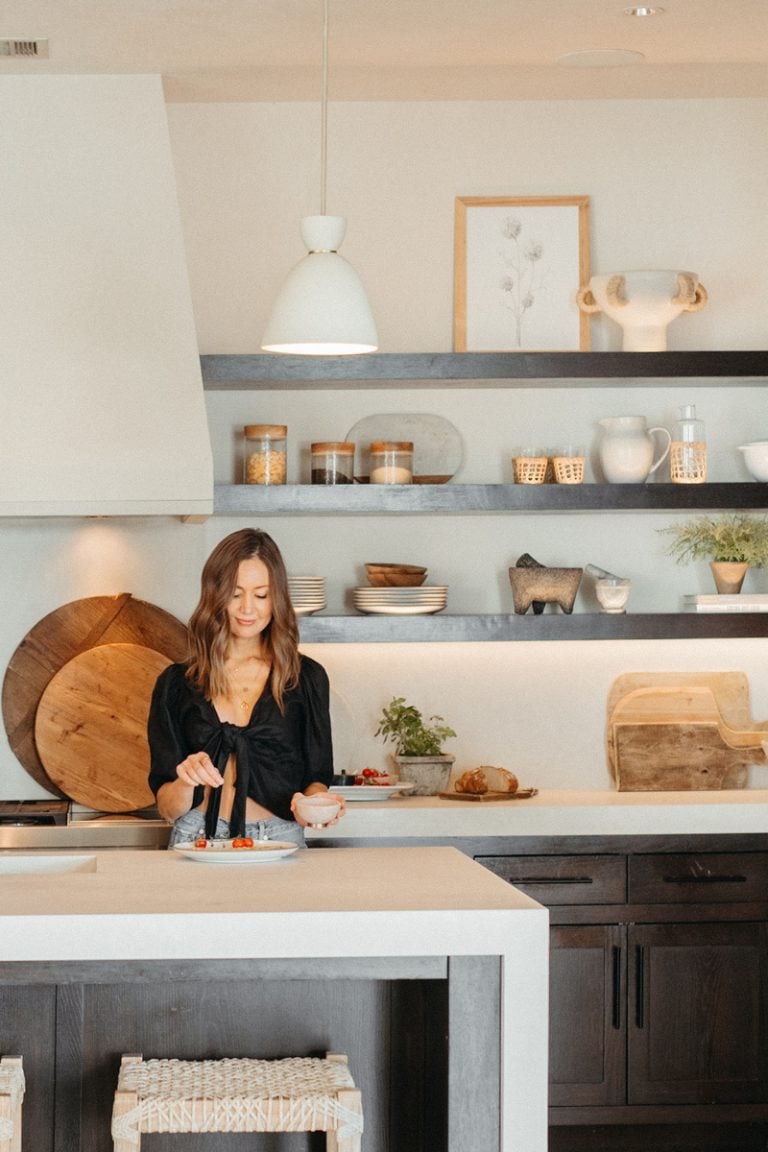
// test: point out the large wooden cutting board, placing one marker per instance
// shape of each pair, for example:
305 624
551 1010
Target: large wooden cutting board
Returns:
66 632
91 726
670 731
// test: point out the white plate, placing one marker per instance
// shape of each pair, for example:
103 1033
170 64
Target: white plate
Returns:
372 791
223 852
437 446
400 609
429 591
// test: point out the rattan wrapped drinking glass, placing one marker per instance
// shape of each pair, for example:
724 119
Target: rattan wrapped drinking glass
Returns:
568 469
530 469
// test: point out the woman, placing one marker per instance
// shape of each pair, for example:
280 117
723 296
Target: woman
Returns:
243 727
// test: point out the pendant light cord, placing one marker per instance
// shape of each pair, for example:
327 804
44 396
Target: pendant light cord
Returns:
324 115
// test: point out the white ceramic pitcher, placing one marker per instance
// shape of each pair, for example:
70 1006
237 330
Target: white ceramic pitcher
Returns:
627 448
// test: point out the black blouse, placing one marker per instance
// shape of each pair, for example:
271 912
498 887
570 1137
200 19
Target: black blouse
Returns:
276 754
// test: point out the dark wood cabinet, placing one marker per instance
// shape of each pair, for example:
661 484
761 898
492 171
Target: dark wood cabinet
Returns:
587 1021
658 983
697 1029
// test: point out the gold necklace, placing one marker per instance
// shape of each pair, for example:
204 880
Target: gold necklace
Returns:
248 695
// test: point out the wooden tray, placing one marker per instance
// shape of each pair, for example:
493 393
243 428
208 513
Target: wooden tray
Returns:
521 794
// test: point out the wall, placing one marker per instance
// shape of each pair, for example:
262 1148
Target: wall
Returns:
672 184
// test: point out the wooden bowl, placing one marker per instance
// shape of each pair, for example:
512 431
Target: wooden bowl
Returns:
394 579
395 575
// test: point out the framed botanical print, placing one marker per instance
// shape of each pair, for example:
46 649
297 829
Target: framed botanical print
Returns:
518 265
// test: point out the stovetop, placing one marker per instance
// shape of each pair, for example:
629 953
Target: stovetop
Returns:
33 813
65 824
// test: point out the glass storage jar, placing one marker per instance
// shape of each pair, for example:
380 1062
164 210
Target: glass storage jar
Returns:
332 462
391 462
265 453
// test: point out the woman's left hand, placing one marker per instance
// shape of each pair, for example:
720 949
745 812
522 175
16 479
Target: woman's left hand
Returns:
330 796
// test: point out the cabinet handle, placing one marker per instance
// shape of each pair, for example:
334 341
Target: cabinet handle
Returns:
616 1007
706 878
640 986
552 880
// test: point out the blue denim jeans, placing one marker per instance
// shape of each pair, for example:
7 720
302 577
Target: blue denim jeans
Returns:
192 824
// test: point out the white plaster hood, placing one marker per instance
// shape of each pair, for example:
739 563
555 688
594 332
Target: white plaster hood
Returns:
103 411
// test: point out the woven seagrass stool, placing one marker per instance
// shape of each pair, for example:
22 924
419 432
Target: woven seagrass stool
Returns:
298 1094
11 1096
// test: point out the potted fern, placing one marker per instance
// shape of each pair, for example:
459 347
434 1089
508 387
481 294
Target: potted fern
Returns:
732 543
418 744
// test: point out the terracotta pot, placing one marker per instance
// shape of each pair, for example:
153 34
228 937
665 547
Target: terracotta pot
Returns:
729 575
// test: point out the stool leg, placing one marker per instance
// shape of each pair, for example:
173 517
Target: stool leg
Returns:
351 1100
124 1103
11 1114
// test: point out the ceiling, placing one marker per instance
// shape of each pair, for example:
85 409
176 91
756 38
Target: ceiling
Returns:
210 50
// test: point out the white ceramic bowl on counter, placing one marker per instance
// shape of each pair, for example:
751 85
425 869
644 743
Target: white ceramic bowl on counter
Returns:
756 458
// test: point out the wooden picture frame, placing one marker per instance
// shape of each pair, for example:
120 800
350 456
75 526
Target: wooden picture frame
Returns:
519 262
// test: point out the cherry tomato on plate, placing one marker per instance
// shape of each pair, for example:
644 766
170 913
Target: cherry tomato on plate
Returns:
242 842
202 843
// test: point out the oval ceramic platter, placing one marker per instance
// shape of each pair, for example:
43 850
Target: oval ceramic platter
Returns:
358 792
222 852
438 450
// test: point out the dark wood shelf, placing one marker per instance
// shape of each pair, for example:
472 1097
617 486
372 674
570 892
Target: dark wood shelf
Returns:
443 627
409 499
264 371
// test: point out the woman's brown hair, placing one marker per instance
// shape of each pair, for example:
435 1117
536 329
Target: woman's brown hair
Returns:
209 623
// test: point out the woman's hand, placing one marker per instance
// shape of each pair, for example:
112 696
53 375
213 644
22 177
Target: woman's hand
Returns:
175 797
315 790
199 769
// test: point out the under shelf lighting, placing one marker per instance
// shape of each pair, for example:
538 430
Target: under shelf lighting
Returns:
322 308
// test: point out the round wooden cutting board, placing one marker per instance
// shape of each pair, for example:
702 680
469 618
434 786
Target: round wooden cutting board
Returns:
91 726
67 632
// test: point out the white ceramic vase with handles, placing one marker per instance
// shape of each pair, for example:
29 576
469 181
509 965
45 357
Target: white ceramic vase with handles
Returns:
627 448
643 303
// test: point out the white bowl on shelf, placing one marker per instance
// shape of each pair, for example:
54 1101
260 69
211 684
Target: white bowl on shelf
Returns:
756 458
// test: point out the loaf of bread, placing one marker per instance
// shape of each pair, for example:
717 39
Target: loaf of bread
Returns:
486 778
473 780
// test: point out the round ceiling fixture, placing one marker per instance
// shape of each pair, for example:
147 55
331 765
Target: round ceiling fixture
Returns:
600 58
643 10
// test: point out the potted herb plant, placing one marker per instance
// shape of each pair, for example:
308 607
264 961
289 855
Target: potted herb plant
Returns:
418 746
732 543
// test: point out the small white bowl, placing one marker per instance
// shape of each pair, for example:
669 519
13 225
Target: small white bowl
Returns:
756 458
318 809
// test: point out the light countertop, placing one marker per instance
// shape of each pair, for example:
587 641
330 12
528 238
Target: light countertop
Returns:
346 901
557 813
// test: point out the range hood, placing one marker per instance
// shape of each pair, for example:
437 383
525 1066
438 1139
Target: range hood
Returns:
103 407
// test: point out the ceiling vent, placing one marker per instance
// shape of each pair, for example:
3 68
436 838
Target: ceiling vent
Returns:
26 48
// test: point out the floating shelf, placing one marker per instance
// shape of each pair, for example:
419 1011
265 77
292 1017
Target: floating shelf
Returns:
441 628
409 499
484 369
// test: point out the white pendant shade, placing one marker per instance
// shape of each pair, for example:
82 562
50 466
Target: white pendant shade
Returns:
322 309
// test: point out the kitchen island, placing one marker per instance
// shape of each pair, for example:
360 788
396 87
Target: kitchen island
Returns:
428 971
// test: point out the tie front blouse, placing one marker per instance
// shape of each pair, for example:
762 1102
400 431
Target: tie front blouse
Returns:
276 754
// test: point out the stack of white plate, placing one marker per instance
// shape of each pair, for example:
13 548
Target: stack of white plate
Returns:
401 601
307 593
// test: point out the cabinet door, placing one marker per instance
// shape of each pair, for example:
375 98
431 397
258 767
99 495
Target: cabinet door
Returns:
697 1026
587 1029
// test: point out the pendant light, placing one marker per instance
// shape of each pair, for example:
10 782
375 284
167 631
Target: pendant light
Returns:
322 309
